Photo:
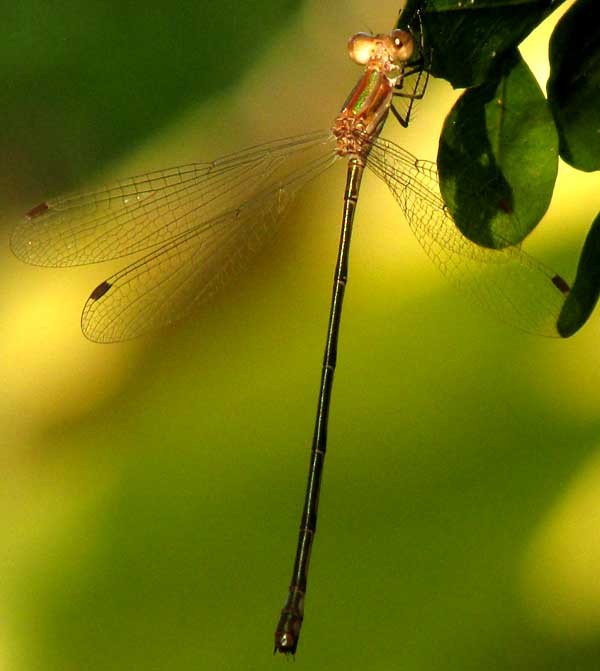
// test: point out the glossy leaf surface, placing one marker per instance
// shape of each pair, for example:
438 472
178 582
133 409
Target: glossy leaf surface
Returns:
498 158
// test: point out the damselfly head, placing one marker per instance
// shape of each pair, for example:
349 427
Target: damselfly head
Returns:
381 51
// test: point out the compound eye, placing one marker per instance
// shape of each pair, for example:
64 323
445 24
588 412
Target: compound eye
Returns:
403 45
360 48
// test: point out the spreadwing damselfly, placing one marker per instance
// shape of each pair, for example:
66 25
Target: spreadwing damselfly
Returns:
194 228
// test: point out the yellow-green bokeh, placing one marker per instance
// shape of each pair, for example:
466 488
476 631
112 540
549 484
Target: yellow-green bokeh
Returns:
152 490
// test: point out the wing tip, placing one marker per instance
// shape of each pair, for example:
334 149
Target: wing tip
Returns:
561 284
100 290
38 210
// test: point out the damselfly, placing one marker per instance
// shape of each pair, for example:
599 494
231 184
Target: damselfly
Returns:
198 224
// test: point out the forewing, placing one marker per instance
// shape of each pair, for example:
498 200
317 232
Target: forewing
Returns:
135 214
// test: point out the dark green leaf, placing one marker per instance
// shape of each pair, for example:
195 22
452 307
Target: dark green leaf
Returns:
574 84
586 288
466 38
498 158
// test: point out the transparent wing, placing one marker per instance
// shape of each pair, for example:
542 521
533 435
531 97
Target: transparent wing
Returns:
175 278
133 215
509 283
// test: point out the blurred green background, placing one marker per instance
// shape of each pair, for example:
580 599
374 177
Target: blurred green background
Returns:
151 491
